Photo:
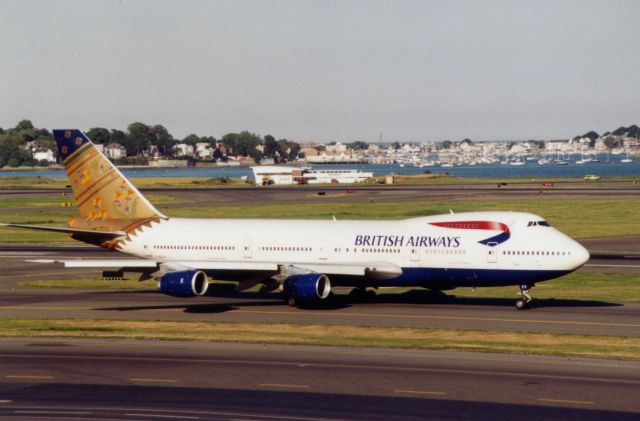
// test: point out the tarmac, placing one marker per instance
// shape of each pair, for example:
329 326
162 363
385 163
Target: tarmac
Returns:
134 380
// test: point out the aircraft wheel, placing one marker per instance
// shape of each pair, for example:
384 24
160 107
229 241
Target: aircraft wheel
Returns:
521 304
291 300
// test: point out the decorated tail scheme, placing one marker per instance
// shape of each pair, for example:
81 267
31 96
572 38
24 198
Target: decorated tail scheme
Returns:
106 200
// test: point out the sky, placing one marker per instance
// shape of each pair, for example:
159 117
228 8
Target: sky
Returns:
324 70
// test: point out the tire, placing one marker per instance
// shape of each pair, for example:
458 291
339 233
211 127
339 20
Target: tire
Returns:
521 304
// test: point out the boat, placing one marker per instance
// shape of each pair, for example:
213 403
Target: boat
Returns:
626 160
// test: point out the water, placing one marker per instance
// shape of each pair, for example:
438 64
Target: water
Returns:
530 170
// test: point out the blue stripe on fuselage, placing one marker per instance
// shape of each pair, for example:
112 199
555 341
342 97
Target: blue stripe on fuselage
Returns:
441 278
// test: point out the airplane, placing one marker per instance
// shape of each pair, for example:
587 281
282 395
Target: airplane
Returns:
304 259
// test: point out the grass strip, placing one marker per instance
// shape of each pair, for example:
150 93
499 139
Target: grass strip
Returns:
331 335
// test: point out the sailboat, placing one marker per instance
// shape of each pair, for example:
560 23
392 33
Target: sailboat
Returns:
583 160
626 160
561 161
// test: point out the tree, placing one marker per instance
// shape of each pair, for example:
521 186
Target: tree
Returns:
137 139
99 135
117 136
358 145
446 144
24 125
1 130
609 142
242 143
294 151
163 140
217 155
12 152
192 139
270 146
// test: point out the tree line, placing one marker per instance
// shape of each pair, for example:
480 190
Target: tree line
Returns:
139 139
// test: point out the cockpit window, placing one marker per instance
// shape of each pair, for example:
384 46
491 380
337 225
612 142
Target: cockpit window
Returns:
538 223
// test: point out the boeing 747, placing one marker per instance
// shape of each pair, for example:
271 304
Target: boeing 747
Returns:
304 259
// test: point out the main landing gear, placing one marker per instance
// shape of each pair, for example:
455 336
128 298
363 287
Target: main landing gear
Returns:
522 303
360 294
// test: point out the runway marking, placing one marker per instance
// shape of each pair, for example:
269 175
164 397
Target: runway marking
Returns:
28 377
480 319
614 266
566 401
420 392
154 380
372 366
44 308
5 401
51 412
178 417
297 386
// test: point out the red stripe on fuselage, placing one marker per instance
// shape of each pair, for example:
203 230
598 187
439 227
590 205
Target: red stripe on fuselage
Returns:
473 225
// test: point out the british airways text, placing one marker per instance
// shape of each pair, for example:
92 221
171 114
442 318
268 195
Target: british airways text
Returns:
411 241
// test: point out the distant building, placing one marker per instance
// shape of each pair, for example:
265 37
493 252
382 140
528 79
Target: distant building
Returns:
182 149
115 151
44 154
204 150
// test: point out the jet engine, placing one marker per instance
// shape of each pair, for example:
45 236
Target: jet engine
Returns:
306 289
188 283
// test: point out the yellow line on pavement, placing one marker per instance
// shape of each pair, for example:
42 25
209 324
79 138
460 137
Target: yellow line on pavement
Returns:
18 376
566 401
421 392
154 380
298 386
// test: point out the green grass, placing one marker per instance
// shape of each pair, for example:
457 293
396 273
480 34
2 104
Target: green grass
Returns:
578 218
330 335
609 287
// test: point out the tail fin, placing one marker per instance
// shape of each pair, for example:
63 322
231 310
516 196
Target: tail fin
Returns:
103 195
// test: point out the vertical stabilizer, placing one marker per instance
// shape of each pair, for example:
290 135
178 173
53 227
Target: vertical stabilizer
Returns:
103 195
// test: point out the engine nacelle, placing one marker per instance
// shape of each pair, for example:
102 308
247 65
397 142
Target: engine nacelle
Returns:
307 288
188 283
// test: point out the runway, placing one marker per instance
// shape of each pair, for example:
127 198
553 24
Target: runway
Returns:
90 380
413 309
204 196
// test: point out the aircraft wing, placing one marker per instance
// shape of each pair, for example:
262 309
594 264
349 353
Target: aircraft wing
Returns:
379 270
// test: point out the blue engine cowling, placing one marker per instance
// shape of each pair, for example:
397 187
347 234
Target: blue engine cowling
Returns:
306 289
188 283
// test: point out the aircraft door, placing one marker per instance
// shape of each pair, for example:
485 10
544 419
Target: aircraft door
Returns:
415 254
492 253
247 248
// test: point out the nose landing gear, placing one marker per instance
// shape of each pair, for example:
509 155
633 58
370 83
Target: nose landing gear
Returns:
522 303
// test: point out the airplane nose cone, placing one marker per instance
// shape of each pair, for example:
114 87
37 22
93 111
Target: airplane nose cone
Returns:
580 255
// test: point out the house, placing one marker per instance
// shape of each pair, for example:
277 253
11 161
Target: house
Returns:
204 150
115 151
182 149
44 154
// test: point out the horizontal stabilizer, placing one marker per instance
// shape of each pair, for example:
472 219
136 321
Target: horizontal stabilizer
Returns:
109 235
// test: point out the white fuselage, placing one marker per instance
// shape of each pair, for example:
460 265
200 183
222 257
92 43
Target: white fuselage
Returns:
526 249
